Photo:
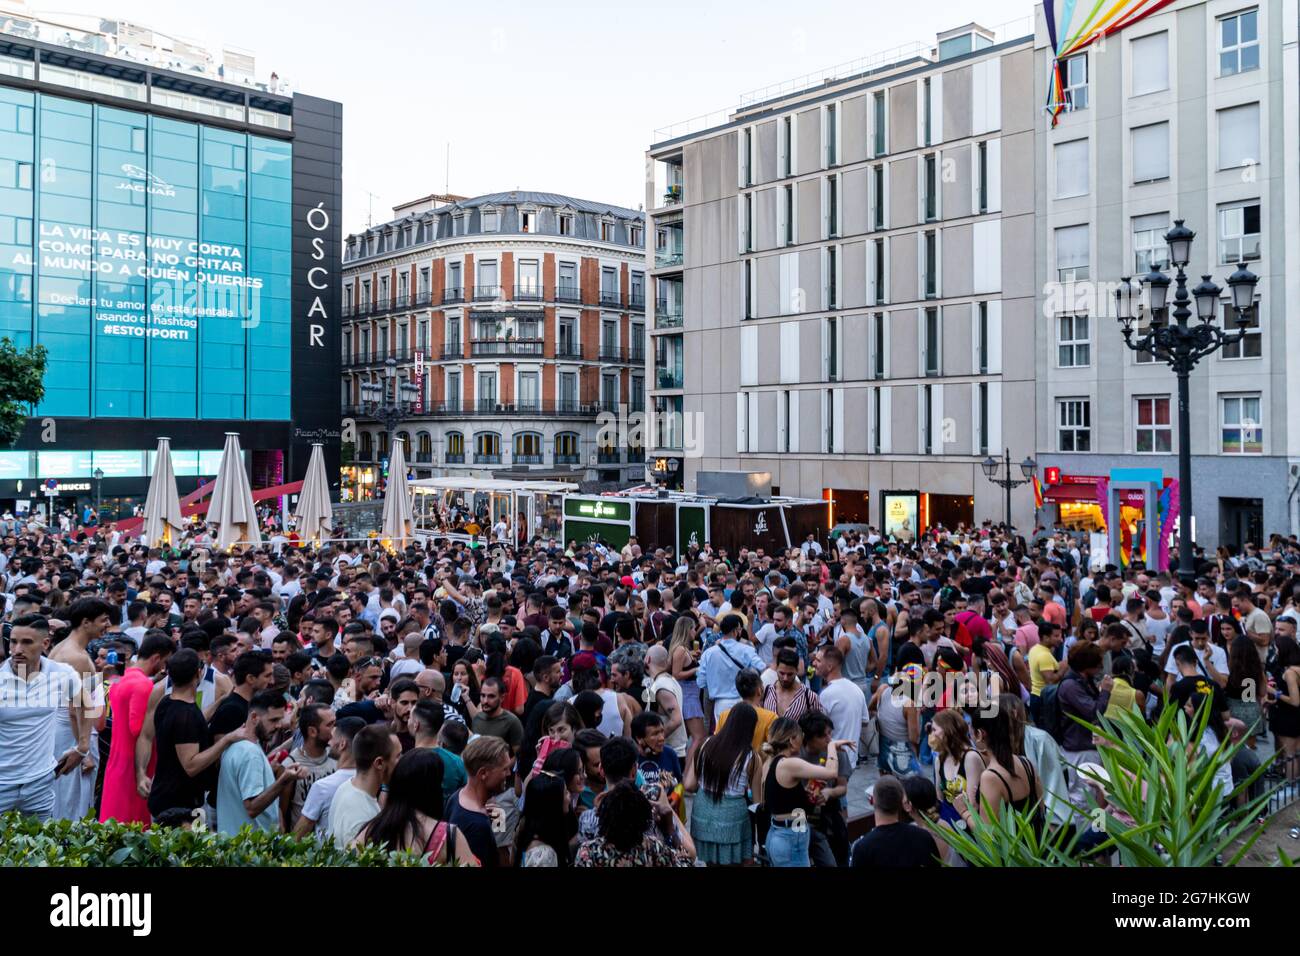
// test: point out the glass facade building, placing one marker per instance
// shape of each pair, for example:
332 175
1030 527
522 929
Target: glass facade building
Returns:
150 256
172 241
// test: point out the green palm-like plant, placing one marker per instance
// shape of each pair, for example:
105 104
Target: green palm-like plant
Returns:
1010 839
1160 780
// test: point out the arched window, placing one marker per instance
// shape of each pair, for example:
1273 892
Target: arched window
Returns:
367 452
424 447
566 448
528 448
487 448
383 444
455 448
407 450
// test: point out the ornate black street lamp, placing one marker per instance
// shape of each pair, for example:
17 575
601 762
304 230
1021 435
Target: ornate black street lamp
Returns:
1180 345
1027 468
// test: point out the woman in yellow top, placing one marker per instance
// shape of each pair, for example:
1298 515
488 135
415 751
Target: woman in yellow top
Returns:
1123 695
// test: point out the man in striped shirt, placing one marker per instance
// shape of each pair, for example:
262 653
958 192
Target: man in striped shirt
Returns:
788 697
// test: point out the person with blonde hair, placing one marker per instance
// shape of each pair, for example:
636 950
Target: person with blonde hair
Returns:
683 665
787 778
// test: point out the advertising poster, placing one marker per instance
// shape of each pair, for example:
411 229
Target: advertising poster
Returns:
901 511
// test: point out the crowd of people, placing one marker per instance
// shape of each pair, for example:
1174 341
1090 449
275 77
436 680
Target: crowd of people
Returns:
531 704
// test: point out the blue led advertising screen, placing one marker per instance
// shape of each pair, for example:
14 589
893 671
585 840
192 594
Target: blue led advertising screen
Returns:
151 258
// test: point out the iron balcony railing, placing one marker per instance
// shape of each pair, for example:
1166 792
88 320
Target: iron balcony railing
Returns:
453 295
527 459
454 459
497 347
379 357
612 353
494 408
487 293
610 297
568 293
567 459
453 349
486 459
636 302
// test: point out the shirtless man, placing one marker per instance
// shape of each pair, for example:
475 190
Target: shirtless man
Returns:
74 729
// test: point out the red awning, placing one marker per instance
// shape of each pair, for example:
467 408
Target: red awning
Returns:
1070 492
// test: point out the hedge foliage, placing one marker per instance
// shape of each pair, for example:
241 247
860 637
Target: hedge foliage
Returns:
24 841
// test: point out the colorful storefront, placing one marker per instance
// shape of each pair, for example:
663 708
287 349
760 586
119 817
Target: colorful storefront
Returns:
1135 509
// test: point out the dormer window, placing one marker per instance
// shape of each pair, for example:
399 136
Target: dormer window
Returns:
606 231
566 223
491 220
527 220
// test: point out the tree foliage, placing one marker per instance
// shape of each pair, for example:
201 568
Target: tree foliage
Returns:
22 384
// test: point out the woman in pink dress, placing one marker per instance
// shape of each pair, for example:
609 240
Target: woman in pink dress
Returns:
129 703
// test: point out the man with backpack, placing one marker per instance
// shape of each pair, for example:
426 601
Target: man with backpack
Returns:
1077 694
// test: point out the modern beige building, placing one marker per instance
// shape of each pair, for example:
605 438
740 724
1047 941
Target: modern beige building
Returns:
843 286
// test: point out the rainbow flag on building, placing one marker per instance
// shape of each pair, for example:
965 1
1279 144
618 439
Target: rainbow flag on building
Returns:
1069 37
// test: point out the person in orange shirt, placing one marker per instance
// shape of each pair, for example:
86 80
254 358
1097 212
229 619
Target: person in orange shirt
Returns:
1051 611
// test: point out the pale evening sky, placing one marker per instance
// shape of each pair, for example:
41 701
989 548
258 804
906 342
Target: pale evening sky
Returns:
561 96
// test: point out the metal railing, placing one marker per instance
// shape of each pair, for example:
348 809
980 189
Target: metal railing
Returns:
636 302
568 293
378 357
609 456
568 351
567 459
527 459
483 459
610 298
453 349
453 295
486 293
493 408
424 457
495 347
528 295
451 459
1284 777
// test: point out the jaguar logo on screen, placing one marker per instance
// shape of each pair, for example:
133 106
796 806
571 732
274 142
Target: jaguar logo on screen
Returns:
141 180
